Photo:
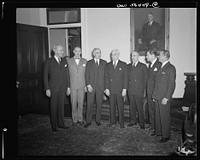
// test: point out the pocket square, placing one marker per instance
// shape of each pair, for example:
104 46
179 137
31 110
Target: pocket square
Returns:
163 72
84 65
65 65
155 69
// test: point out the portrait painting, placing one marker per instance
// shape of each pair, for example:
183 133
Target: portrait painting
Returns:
149 29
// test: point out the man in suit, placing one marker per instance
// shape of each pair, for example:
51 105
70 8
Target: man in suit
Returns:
137 82
162 95
56 85
95 85
151 34
116 86
77 68
153 69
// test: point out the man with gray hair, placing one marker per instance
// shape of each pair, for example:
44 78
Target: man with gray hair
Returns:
116 86
95 69
56 85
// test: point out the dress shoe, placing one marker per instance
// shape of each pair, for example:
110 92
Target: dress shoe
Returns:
110 125
54 130
163 140
87 125
98 123
63 127
153 133
81 123
121 126
74 124
131 124
142 127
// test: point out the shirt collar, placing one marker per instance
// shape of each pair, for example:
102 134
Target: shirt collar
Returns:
135 63
164 63
152 63
116 62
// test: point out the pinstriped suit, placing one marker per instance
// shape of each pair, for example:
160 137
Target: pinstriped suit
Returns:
152 72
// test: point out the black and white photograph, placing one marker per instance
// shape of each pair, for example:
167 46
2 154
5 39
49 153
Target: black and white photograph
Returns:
119 80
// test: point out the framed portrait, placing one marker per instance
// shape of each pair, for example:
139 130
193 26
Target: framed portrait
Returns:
149 29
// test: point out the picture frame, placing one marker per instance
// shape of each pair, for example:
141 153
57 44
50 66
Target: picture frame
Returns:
138 18
63 15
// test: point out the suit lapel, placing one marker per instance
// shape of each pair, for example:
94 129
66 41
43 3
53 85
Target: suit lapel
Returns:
163 69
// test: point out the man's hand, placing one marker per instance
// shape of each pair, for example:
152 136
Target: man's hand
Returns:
48 93
139 41
123 92
107 92
164 101
68 91
90 89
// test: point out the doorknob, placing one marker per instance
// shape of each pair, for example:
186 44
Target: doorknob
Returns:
17 84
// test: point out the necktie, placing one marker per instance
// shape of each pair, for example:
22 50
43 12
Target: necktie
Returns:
97 63
115 64
133 65
59 60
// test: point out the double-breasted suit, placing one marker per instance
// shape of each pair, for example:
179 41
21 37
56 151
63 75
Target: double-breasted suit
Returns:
77 87
152 72
56 79
116 80
95 75
164 88
137 82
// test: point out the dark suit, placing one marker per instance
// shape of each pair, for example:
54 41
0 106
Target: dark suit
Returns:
164 88
152 72
95 77
116 81
56 79
137 82
149 33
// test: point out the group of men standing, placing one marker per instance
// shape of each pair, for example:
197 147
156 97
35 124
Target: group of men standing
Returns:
76 76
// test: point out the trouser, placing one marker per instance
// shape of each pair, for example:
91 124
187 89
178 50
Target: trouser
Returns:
136 103
57 109
77 99
116 100
162 119
151 110
91 97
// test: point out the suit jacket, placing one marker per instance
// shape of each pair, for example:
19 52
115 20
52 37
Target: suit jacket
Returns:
165 82
77 73
116 79
137 79
55 75
151 32
152 72
95 75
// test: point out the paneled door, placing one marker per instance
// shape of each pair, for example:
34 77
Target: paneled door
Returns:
32 51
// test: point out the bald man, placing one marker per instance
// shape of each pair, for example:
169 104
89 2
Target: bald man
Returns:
56 84
116 86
